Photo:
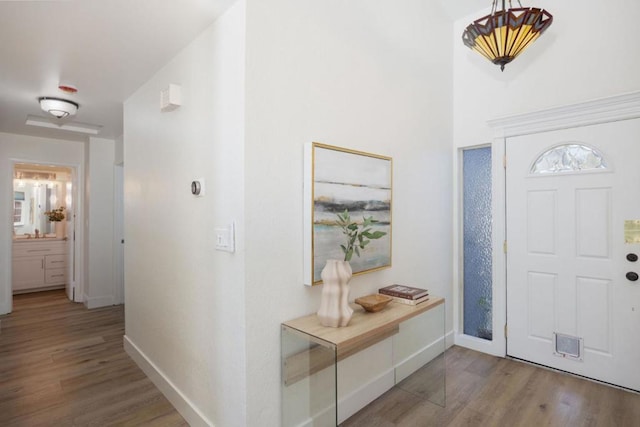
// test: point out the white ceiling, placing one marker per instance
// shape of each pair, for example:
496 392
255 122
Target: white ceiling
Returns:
106 48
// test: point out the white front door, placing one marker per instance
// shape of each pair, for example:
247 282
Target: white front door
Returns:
570 304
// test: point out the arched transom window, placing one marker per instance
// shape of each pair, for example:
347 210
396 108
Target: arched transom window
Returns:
568 158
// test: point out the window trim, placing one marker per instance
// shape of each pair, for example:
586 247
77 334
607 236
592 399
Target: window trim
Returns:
20 204
584 148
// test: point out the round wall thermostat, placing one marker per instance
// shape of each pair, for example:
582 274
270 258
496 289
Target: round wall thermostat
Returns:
196 188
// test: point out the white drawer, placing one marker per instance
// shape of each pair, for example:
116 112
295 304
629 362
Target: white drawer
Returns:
33 248
55 276
55 261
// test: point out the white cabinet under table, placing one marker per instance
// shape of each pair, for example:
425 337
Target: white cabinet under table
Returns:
39 264
311 352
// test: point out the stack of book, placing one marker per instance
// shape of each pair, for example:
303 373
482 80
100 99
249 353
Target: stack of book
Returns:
405 294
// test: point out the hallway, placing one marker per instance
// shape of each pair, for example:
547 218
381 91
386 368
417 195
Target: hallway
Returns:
64 365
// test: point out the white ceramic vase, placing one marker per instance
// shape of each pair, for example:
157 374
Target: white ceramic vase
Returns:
334 303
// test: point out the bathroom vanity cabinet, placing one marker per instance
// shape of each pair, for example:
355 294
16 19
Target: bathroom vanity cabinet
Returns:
39 264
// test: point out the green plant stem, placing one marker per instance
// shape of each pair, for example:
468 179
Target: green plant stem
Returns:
357 237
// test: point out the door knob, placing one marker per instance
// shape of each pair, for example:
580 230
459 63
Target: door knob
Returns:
632 257
632 276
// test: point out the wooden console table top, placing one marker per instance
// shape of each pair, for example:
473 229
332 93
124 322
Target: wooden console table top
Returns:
364 329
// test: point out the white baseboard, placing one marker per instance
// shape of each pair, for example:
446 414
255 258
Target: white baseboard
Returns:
353 402
411 364
183 405
358 399
323 418
367 393
450 339
97 302
478 344
364 395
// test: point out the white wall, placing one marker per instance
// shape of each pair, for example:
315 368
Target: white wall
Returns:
99 289
25 148
588 52
185 310
361 75
369 75
119 150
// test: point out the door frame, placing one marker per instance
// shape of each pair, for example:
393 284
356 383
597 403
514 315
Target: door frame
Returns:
603 110
118 232
77 177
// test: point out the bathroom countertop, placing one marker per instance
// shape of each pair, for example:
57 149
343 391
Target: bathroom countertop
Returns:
39 239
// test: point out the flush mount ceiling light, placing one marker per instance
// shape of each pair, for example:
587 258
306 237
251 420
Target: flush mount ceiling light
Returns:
504 34
58 107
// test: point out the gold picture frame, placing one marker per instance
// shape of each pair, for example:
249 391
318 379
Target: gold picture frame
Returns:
336 179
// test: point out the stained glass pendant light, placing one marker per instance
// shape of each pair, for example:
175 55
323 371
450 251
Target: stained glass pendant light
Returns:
505 33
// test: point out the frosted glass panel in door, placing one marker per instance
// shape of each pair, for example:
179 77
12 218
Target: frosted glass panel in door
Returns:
477 283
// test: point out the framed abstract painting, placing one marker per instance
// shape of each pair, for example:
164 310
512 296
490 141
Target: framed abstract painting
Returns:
339 181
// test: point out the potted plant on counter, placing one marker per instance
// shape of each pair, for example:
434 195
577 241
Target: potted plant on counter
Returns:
57 216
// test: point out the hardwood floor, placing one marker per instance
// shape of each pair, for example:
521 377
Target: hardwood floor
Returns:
483 390
64 365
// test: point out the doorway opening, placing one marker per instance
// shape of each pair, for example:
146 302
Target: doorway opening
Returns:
43 246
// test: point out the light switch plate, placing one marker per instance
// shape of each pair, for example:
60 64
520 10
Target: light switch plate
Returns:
225 238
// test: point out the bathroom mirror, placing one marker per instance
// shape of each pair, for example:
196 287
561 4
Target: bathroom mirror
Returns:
31 199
